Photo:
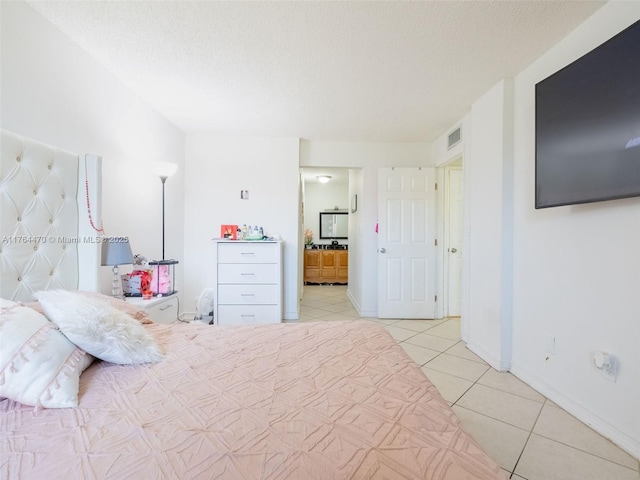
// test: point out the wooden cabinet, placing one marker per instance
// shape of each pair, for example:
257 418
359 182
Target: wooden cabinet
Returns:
342 266
248 282
326 266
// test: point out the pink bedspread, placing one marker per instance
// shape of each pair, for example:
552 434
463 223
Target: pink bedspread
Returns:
335 400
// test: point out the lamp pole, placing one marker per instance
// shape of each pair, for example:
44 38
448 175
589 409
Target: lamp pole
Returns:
163 178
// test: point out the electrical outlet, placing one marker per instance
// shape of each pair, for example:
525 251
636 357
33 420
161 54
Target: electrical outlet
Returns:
607 364
610 372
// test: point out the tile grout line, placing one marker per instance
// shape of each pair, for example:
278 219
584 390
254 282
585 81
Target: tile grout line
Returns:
528 438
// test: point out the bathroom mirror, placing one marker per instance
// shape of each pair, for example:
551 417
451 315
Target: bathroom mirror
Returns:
334 225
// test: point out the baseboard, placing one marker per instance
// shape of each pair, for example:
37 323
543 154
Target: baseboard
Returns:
621 439
291 316
362 313
496 363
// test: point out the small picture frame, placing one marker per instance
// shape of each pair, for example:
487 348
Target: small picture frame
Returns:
354 203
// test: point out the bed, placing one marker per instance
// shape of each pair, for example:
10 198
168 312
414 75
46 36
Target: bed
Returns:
334 400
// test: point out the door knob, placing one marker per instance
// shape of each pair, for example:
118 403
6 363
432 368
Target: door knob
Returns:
454 250
382 250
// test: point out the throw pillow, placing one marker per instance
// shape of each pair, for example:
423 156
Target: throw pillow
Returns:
99 328
141 315
38 365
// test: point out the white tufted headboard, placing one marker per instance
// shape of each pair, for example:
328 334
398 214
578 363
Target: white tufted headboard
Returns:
46 238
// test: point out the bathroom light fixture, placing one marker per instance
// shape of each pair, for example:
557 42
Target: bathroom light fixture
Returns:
323 178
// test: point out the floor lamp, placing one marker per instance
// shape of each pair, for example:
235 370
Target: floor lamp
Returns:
164 170
165 274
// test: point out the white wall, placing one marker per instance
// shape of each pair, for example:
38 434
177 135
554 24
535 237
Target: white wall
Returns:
487 190
363 241
576 269
54 92
570 273
217 168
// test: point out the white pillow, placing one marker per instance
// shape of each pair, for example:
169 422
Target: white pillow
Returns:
98 328
38 364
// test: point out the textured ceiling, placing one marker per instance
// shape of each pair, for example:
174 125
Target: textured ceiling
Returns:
361 71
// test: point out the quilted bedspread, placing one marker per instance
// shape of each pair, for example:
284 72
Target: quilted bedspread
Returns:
325 400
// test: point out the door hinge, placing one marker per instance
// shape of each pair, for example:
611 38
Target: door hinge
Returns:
436 186
435 299
435 242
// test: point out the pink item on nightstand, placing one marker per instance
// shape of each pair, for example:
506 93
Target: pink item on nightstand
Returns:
161 280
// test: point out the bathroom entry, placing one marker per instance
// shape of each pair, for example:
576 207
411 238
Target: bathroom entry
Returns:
325 200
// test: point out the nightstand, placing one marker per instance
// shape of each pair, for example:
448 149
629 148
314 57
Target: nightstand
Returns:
159 309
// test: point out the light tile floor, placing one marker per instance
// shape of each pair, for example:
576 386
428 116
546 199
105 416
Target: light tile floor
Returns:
529 436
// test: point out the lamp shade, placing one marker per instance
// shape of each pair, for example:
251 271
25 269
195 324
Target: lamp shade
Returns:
164 169
116 251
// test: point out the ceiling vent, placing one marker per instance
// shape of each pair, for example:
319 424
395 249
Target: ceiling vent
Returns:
454 138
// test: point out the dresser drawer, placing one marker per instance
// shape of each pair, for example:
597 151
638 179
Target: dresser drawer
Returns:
247 252
248 314
159 309
166 312
248 294
247 273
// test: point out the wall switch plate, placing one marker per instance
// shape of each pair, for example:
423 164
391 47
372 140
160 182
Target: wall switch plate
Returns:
550 344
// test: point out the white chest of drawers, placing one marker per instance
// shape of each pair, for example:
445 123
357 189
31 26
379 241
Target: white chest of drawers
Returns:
248 278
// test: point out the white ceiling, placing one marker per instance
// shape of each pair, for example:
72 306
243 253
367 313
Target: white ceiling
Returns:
359 71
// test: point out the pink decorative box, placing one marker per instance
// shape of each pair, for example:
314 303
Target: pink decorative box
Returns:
163 276
229 231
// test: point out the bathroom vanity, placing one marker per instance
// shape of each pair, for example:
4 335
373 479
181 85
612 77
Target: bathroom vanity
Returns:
326 264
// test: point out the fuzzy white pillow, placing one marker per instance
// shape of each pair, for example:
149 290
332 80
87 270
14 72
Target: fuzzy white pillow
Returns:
98 328
38 365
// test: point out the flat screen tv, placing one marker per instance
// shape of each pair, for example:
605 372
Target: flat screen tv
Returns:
588 126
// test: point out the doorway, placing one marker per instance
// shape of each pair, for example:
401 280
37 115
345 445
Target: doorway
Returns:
324 225
452 215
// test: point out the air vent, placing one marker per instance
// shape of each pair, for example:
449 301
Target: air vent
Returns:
454 138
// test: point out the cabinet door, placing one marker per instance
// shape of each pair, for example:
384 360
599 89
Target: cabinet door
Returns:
328 270
312 266
342 261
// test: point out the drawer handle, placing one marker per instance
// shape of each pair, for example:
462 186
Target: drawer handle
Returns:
247 294
247 274
247 253
246 315
162 309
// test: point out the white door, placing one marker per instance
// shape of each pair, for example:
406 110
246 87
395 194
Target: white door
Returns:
406 243
454 240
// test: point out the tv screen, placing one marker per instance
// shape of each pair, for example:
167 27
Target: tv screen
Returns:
588 126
